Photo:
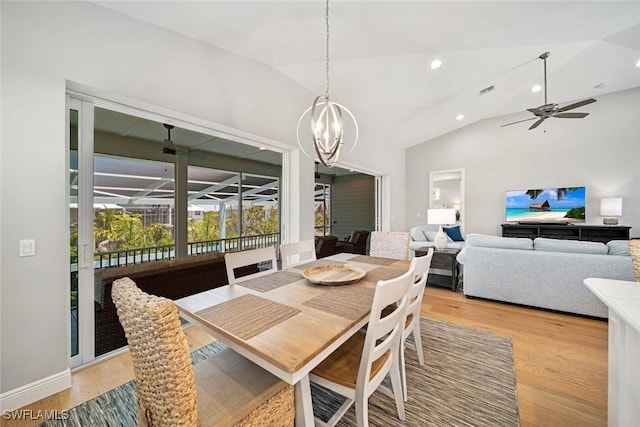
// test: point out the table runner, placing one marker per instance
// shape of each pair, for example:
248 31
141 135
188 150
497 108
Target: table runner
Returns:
373 260
248 315
348 301
271 281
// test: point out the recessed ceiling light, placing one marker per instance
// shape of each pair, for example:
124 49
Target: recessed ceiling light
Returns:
460 117
638 63
262 148
536 88
435 64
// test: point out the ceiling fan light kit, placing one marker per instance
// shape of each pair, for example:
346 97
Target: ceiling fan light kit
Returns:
327 123
548 110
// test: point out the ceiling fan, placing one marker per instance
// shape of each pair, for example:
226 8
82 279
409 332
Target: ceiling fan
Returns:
170 148
547 110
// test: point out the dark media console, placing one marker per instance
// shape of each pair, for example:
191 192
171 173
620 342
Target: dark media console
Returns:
593 233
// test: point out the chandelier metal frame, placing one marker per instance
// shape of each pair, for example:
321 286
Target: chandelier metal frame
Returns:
327 122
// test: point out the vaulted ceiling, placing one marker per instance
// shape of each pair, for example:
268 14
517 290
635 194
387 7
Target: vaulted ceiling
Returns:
381 53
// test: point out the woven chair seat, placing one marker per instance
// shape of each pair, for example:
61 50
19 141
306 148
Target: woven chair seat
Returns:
233 391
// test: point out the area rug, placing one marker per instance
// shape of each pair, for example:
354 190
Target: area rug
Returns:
468 380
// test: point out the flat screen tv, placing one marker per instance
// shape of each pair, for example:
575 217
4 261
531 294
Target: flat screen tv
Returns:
546 205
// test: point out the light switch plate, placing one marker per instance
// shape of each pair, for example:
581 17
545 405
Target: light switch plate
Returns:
27 247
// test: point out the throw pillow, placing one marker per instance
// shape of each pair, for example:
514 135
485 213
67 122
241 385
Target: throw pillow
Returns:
430 235
454 233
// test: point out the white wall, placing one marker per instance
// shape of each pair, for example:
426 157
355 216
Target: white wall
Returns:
45 44
601 152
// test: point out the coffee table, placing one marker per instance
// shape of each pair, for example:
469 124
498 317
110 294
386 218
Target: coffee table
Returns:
444 259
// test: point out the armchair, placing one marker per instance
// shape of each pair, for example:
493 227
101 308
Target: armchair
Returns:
325 246
357 243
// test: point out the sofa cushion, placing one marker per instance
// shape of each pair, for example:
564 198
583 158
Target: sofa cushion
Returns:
574 246
619 247
454 233
417 234
499 242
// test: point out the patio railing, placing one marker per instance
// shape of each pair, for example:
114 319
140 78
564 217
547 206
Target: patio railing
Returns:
158 253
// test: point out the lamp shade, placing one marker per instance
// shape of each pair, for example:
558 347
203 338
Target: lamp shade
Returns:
441 216
611 206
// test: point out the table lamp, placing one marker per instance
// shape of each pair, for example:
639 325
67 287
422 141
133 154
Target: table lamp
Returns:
441 217
611 209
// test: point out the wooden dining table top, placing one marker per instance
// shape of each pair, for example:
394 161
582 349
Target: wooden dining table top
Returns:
282 321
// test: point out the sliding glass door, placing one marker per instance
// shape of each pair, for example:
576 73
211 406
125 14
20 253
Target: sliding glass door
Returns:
81 242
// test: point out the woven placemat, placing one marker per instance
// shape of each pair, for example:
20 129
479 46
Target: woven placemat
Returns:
382 273
349 302
271 281
373 260
317 263
248 315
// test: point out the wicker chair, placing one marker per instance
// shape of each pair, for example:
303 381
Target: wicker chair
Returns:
223 390
390 244
634 249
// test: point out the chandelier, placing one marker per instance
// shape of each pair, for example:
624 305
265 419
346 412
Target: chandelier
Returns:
328 140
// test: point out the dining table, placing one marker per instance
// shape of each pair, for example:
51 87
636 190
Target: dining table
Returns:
286 323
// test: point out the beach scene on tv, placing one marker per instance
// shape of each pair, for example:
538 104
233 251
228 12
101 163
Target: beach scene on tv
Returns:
553 205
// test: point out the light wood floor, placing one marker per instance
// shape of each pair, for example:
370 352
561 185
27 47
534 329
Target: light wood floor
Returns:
560 361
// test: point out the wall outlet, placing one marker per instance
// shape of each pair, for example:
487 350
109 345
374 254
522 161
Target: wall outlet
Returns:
28 247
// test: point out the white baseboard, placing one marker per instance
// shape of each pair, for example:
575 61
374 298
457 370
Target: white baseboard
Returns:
21 396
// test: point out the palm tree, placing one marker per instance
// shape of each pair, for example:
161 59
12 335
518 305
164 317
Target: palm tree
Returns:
560 192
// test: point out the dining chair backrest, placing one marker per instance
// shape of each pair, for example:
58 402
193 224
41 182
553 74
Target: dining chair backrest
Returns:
416 290
265 258
384 330
296 253
411 324
390 244
166 388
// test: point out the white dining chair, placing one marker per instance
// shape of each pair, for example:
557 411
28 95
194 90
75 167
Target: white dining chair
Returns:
292 254
390 244
412 322
262 257
358 367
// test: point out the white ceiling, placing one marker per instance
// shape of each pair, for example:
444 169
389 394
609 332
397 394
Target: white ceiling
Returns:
381 50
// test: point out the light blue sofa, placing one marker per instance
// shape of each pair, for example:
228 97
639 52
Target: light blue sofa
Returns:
422 238
545 273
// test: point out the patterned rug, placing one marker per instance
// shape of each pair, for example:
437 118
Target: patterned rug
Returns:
468 380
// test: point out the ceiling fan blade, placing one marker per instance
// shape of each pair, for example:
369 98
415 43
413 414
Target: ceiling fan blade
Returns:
571 115
519 121
189 154
536 124
576 105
